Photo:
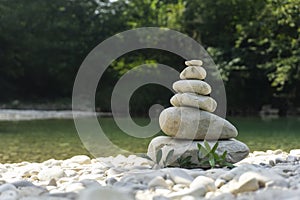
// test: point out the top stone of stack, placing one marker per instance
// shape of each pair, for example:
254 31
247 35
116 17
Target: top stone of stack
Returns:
194 70
193 63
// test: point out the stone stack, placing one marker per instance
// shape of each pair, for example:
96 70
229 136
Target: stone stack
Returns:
190 121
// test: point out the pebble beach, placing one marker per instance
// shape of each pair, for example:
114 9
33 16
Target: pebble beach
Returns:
262 175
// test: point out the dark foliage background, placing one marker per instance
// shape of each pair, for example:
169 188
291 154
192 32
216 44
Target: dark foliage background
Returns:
255 44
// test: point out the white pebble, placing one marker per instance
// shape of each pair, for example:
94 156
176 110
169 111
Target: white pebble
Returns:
51 173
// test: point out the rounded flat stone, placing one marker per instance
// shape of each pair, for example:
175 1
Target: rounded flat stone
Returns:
236 150
193 62
192 86
193 100
193 72
195 124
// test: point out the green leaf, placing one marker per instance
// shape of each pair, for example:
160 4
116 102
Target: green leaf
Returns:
146 157
227 164
224 155
212 162
158 156
202 150
204 163
215 147
216 157
207 146
199 146
187 159
169 155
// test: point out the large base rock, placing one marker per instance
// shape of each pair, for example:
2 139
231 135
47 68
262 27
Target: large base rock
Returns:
195 124
236 150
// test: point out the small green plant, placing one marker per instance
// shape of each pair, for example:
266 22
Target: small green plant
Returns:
207 156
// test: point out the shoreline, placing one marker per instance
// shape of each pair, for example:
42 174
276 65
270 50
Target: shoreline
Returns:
262 175
20 115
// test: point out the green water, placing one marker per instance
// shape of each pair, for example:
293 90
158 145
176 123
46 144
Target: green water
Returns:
39 140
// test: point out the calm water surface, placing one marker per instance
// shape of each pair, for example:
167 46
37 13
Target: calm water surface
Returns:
40 140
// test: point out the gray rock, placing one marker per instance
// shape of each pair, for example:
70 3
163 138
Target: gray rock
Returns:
199 187
129 186
247 184
105 193
179 176
193 100
196 172
192 86
193 72
279 160
236 150
23 183
247 178
274 194
291 159
203 181
223 196
201 191
7 186
158 182
238 171
193 62
31 191
9 195
272 162
111 181
52 182
67 195
215 172
191 123
160 198
265 177
142 176
90 183
114 172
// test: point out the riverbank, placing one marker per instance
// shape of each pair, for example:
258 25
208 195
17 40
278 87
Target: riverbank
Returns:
21 115
262 175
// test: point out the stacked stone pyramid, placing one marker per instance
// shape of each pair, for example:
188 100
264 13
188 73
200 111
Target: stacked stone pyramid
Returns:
190 121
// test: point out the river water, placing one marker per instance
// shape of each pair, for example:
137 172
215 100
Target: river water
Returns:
25 138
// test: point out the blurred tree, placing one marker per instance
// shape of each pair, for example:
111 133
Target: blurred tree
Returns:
272 40
255 44
252 42
44 42
158 13
213 23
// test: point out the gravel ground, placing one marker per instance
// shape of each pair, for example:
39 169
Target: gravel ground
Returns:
262 175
